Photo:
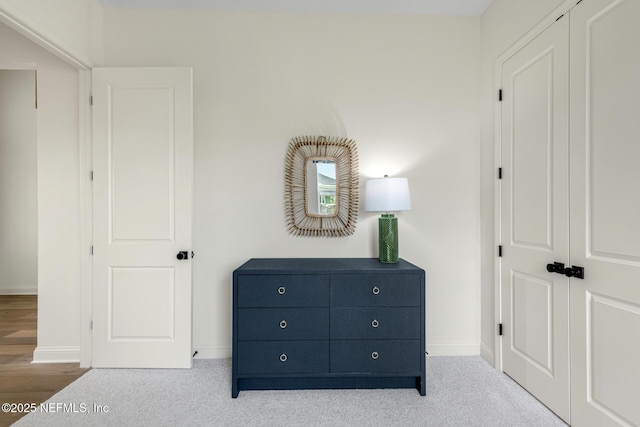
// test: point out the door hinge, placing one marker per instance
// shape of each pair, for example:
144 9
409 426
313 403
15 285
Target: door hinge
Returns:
91 249
500 95
499 173
91 325
500 329
560 17
91 100
499 250
91 175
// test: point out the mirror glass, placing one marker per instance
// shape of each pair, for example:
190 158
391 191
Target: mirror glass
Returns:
321 194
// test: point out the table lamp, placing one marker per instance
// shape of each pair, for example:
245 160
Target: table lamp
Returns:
387 195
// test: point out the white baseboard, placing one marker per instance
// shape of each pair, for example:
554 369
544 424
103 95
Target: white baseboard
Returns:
453 349
211 352
488 355
56 355
72 354
18 290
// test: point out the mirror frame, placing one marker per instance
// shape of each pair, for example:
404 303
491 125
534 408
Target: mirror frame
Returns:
344 152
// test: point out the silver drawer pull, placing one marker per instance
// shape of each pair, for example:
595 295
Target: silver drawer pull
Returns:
375 323
375 355
283 324
282 290
283 357
375 290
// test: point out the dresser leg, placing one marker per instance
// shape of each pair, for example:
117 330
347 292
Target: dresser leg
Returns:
234 389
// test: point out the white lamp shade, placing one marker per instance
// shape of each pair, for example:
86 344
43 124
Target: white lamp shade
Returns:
387 195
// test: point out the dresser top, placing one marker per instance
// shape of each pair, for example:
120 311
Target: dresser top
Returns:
323 265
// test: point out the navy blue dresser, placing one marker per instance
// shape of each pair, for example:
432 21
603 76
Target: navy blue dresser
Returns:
305 323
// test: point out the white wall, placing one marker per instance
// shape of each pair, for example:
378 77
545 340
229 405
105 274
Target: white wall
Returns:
70 28
503 24
18 187
404 87
58 197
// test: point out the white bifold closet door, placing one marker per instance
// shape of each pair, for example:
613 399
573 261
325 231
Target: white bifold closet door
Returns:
570 195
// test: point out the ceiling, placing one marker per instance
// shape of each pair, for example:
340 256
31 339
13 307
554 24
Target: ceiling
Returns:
408 7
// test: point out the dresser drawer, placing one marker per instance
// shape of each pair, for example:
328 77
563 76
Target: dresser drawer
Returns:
375 290
287 290
283 357
399 323
366 356
283 324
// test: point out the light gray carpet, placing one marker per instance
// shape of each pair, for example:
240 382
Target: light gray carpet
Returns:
461 391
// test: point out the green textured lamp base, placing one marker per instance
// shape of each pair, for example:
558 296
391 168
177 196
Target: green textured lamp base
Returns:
388 238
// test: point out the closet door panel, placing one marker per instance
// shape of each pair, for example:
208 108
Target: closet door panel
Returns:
605 212
535 230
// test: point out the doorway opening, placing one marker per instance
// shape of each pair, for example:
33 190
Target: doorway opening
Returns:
23 381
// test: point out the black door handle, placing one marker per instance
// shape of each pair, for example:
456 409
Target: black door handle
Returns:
556 267
574 271
183 255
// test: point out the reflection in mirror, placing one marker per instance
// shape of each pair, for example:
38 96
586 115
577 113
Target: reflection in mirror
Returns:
321 187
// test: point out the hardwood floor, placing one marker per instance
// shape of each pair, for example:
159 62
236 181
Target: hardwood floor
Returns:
22 381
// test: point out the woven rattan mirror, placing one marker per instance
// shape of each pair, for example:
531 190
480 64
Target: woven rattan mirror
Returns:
321 186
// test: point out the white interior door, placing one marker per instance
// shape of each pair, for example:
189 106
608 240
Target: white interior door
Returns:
605 212
142 170
534 212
